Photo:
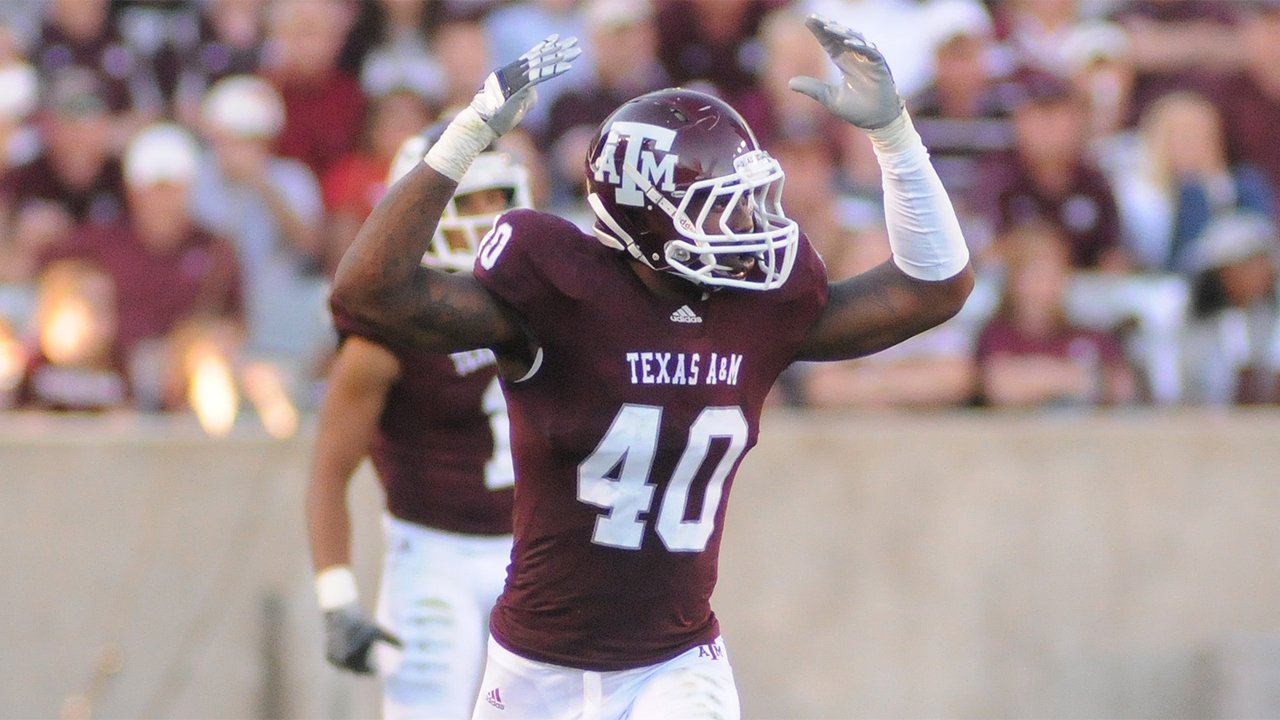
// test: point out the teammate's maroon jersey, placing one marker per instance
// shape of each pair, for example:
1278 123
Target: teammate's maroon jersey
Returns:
441 445
626 438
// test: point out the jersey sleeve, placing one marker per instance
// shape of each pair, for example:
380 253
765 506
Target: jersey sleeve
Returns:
528 259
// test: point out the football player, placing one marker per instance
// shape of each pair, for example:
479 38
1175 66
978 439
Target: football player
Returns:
636 361
435 426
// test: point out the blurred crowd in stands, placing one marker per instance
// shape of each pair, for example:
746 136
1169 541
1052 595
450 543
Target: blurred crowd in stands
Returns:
179 178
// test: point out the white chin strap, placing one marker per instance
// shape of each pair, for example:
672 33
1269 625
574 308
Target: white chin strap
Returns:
621 239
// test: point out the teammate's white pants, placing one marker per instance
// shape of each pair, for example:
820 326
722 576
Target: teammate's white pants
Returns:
437 591
696 685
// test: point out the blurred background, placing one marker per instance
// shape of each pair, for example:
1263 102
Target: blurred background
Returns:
1061 503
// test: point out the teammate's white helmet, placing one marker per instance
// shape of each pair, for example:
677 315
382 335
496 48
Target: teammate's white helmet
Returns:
457 237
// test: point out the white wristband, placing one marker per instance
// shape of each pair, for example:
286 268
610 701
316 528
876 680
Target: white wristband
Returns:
462 141
335 587
924 232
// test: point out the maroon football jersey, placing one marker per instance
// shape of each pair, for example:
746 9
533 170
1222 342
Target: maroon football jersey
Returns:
626 439
441 449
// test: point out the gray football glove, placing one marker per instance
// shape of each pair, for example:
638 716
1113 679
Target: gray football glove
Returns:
349 638
508 91
867 97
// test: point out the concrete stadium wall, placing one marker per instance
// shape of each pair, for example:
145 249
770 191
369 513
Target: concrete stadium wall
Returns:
874 566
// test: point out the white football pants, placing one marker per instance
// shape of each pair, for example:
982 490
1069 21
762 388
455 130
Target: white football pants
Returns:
695 685
436 594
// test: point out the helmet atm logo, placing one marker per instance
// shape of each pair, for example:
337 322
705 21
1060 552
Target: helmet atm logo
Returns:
643 161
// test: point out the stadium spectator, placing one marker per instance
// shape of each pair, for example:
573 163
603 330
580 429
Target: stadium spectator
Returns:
788 53
400 56
718 44
75 365
236 35
82 33
1050 176
1182 180
19 97
165 268
898 27
1249 100
75 178
963 116
185 47
512 28
19 143
436 429
1030 354
1032 32
1185 45
324 105
1232 348
1097 59
604 348
358 179
269 207
462 47
622 38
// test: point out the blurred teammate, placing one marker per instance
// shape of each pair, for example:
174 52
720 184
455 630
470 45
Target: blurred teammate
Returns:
435 426
636 362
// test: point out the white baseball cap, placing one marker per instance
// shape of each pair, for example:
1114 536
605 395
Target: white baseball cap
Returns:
946 20
19 90
245 106
161 153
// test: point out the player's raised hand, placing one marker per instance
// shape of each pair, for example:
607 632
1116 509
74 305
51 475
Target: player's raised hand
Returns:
508 92
504 98
349 638
867 96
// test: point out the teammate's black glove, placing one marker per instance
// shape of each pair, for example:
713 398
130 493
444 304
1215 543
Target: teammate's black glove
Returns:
349 638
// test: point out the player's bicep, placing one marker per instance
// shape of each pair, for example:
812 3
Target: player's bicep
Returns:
455 312
878 309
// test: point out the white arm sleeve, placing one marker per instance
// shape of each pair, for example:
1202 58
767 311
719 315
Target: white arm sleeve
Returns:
924 233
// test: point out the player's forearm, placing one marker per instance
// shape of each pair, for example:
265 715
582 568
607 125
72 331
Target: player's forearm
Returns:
349 415
378 278
328 524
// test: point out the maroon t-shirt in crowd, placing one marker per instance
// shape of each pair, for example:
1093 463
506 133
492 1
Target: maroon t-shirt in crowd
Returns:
441 449
1085 211
1002 337
322 121
1251 119
102 201
626 439
156 291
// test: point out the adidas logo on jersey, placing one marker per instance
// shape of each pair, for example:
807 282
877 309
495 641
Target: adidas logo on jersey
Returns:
495 699
685 315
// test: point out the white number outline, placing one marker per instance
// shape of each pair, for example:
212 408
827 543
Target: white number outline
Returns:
630 445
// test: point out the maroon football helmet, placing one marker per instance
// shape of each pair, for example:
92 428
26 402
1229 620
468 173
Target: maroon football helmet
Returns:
676 178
